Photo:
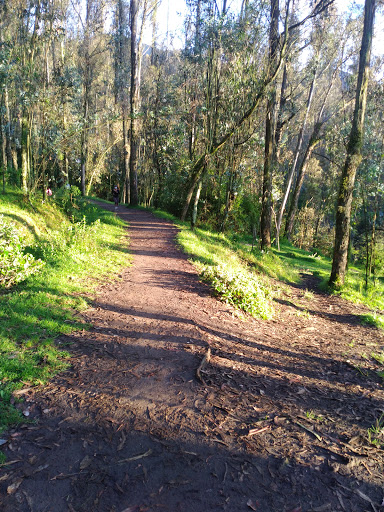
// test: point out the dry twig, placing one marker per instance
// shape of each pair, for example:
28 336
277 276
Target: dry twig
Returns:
204 361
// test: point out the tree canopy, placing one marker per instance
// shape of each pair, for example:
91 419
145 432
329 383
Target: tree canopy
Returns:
247 126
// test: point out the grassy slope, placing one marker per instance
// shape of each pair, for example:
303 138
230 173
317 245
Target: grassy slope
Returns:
217 251
32 314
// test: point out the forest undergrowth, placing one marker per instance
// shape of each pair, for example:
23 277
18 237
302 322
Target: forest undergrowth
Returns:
249 279
72 245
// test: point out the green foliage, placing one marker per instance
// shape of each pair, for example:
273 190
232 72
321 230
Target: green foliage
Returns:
15 264
378 357
240 288
65 198
376 432
373 319
218 262
34 313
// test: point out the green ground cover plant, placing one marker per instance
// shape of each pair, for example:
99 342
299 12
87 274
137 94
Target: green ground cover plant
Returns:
238 271
75 255
220 263
290 263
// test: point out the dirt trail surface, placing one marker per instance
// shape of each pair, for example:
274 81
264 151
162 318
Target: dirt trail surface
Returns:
278 420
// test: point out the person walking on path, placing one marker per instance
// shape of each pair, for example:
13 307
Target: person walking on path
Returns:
116 195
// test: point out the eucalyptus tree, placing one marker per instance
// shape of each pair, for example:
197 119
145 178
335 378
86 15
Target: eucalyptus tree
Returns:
354 152
324 69
121 49
91 48
273 64
5 79
133 101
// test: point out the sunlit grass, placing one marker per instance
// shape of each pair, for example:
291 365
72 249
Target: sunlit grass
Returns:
219 256
290 263
219 262
34 313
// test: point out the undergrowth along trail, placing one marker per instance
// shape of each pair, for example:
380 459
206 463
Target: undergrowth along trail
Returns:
75 255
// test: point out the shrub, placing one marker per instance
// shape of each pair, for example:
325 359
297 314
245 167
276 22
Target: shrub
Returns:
240 288
65 198
15 265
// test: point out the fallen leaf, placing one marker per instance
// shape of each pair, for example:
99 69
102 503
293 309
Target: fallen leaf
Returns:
122 442
2 441
13 487
251 505
323 508
254 431
130 509
364 496
41 468
137 457
85 462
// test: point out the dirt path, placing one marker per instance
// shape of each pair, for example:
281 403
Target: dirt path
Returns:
279 422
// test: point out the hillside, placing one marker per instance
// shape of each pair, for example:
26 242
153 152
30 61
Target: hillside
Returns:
175 401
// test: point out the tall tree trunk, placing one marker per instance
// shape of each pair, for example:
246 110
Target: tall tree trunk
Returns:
266 205
134 199
86 99
354 156
313 141
295 160
121 96
8 146
25 143
3 152
280 120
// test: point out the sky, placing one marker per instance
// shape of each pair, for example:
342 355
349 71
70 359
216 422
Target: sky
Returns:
171 14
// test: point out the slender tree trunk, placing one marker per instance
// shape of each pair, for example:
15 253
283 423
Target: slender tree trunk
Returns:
196 202
314 140
25 142
134 199
3 153
266 205
280 121
296 159
8 146
312 143
354 156
372 245
86 100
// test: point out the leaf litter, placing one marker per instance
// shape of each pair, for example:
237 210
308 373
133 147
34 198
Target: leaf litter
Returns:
175 403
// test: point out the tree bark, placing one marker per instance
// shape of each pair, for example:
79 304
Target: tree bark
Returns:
313 141
296 158
354 153
134 199
266 205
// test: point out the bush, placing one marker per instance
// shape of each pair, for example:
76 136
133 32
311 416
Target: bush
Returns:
15 265
70 240
240 288
65 198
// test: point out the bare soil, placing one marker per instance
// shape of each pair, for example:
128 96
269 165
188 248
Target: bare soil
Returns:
276 419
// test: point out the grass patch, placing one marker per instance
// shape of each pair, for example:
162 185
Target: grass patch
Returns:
376 432
219 262
373 319
238 271
77 255
290 263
